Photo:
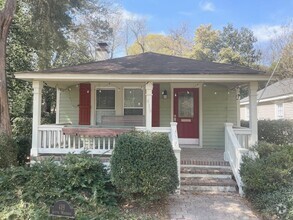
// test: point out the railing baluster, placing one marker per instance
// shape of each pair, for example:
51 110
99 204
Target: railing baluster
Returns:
104 143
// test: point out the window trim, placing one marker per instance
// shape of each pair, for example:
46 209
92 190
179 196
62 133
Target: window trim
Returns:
277 105
143 99
105 88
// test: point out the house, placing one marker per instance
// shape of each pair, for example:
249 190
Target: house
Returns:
195 102
275 102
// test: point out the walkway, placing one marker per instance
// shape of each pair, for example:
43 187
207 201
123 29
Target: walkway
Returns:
206 206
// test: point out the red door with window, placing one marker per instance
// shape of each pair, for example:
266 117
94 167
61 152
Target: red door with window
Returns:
186 112
85 104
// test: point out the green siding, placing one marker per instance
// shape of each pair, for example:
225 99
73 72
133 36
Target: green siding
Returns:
165 106
219 106
69 101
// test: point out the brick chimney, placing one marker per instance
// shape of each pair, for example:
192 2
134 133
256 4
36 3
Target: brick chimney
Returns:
102 52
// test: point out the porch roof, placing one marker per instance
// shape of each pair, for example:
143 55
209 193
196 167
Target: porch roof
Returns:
148 66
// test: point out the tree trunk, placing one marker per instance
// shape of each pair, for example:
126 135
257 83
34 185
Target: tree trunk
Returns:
6 16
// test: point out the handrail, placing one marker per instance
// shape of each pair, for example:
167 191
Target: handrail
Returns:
233 153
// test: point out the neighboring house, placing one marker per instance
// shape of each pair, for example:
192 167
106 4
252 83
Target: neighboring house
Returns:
195 102
276 102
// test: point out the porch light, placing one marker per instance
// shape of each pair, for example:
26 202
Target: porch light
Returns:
165 94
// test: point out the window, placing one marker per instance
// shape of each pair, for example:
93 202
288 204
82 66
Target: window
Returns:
105 104
279 111
105 99
133 102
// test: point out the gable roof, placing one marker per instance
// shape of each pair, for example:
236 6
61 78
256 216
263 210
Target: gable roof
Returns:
152 63
280 89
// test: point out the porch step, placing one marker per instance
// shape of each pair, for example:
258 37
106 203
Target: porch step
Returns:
196 178
197 171
205 163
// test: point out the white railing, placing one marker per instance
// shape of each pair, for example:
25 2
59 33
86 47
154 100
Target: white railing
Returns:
234 152
53 141
243 136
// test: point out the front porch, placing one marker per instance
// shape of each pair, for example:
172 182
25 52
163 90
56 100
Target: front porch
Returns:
196 103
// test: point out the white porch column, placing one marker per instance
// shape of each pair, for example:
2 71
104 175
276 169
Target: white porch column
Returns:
148 109
253 86
58 93
37 109
176 148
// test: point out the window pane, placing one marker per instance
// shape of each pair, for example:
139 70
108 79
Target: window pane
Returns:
133 98
105 99
185 102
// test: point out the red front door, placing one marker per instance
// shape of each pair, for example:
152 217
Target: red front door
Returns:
85 104
186 112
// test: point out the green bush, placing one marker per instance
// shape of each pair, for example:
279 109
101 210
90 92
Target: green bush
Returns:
144 167
8 151
80 179
268 179
274 131
22 135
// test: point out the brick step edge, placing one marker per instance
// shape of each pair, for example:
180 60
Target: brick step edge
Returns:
203 170
198 181
205 163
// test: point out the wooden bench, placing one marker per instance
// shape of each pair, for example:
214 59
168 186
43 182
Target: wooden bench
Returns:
123 121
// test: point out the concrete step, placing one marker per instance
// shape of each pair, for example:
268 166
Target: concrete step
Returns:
205 163
206 171
207 184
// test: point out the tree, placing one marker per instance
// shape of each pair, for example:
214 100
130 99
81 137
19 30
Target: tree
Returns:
241 46
206 43
6 16
151 43
227 46
178 41
281 51
175 43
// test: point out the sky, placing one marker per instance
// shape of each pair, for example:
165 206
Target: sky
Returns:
264 17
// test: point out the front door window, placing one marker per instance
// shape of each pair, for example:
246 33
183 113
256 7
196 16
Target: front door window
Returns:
186 104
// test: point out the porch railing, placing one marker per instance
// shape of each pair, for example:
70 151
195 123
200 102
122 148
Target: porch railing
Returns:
52 140
236 145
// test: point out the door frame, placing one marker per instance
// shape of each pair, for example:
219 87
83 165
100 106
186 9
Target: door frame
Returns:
173 86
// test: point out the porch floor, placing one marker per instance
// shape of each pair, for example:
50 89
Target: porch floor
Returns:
203 156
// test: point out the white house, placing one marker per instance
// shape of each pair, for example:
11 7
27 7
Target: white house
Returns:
276 102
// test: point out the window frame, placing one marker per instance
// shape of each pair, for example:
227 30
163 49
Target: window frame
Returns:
105 88
279 110
143 100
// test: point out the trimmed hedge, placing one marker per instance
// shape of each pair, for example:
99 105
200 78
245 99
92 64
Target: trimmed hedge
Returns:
274 131
144 167
268 179
28 192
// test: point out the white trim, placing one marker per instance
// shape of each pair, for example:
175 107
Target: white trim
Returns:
190 85
37 110
58 93
277 116
270 99
189 141
143 98
142 77
94 107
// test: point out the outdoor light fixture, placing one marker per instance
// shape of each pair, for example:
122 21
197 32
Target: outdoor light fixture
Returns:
165 94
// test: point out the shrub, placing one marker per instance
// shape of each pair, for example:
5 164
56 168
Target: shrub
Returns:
143 166
80 179
7 151
274 131
268 179
22 135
